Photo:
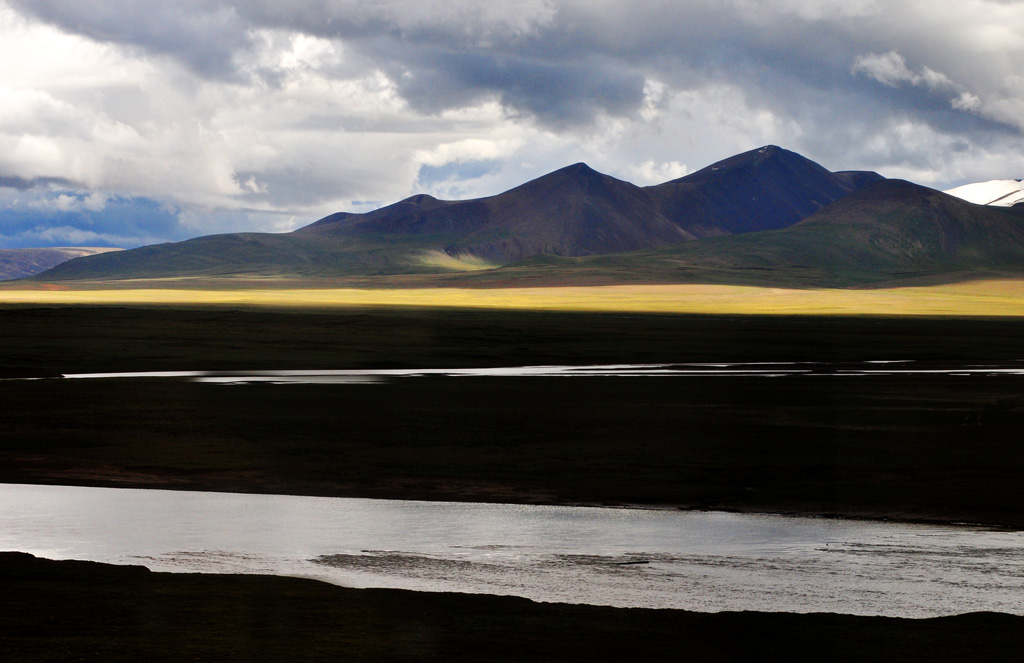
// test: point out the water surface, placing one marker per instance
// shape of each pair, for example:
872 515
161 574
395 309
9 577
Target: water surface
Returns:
704 561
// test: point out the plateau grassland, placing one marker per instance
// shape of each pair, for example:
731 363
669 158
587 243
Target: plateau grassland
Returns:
1001 297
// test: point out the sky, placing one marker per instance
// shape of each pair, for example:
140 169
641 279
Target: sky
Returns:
132 122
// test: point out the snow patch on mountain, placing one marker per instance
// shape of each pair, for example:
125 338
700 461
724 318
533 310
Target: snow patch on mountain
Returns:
1001 193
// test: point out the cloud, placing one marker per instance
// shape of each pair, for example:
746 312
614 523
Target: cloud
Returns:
206 36
264 115
557 94
24 184
71 202
891 69
966 101
888 69
63 217
652 172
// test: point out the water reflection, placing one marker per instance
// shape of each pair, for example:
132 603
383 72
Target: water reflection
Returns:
622 557
885 367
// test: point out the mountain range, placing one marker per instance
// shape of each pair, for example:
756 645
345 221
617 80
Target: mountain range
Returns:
765 216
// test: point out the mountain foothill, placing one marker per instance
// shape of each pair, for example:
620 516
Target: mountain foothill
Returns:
768 216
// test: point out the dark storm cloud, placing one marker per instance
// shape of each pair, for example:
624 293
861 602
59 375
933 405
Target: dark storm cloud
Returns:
556 93
564 62
436 65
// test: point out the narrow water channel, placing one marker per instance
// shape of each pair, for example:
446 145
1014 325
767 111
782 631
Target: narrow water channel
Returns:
622 557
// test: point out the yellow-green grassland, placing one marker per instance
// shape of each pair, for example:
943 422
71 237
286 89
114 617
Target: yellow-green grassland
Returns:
973 298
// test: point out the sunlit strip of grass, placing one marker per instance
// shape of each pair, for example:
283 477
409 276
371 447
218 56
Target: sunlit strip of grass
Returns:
981 298
460 263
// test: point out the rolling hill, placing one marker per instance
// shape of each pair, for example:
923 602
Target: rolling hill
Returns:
574 211
764 217
891 231
764 189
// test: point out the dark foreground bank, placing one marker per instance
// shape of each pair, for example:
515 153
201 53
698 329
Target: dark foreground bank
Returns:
59 611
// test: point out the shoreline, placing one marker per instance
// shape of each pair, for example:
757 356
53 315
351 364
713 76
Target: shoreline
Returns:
64 610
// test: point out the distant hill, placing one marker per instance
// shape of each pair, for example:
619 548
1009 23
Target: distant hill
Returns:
574 211
768 216
903 223
19 263
764 189
890 231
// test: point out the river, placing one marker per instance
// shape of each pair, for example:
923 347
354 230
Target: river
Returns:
891 368
704 561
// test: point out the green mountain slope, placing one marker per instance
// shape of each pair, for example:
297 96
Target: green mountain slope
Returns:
574 211
890 231
578 226
261 254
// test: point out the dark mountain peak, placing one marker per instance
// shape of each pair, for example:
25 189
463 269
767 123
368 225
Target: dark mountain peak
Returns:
412 205
766 153
579 169
573 181
421 199
578 174
769 157
763 189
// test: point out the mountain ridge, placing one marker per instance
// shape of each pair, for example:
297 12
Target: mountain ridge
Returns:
764 189
573 211
889 232
764 216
